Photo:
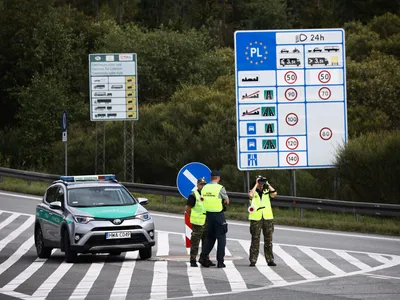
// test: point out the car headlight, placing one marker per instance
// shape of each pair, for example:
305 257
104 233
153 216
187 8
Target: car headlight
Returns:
143 217
82 219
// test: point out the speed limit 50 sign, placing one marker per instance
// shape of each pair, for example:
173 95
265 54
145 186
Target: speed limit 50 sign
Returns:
291 102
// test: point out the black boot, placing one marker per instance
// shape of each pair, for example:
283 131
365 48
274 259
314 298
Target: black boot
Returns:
221 265
193 263
204 262
271 263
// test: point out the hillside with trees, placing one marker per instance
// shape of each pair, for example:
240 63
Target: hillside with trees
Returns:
187 87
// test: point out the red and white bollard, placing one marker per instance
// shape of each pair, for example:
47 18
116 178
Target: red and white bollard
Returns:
188 230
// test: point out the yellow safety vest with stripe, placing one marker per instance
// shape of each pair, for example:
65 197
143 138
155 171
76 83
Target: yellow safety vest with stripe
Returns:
210 193
197 214
262 207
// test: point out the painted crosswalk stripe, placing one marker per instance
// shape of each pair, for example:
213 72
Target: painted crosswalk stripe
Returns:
124 278
162 244
84 286
322 261
54 278
380 258
293 263
13 235
17 255
26 274
196 281
160 279
8 220
352 260
48 285
235 279
263 267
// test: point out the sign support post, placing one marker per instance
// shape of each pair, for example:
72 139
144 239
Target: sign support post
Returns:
64 127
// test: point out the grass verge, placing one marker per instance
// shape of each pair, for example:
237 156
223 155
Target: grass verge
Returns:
290 217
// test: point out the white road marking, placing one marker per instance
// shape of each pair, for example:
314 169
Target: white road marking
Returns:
293 263
351 259
25 247
44 290
26 274
263 267
8 220
380 258
84 286
235 279
196 281
124 278
162 244
13 235
19 295
191 177
247 224
382 276
322 261
160 280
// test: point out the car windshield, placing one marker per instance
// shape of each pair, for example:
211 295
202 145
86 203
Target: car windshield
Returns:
99 196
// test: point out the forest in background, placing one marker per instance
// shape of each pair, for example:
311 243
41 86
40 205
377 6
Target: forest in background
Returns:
187 87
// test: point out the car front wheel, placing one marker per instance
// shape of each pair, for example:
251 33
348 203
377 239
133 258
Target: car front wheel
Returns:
145 253
42 251
70 256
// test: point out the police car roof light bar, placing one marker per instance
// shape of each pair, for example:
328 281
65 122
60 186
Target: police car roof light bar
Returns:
88 178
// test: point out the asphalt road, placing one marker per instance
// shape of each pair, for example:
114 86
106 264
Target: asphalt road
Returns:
311 264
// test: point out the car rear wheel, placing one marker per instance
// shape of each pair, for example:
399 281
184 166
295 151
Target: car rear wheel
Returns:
42 251
70 256
145 253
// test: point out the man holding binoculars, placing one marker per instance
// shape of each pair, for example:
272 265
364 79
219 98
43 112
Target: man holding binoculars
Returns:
261 217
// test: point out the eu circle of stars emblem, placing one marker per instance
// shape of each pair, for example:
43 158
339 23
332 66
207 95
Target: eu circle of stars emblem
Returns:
256 53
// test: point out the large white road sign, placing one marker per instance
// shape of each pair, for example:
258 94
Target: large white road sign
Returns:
290 98
113 87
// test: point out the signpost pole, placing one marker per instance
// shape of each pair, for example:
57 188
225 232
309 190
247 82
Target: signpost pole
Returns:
293 191
66 159
64 138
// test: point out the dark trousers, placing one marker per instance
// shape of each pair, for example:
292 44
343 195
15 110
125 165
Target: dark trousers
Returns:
215 232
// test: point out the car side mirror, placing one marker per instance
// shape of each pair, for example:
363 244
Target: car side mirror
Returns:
56 205
143 201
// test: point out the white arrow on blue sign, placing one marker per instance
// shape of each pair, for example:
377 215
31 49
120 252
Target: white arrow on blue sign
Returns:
186 181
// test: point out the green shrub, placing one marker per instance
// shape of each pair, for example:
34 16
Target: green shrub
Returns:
369 168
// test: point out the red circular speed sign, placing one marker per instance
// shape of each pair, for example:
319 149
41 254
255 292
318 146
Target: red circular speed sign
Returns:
292 143
291 119
325 133
292 158
290 77
324 93
324 76
291 94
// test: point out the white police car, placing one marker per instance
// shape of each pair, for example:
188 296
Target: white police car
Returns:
92 214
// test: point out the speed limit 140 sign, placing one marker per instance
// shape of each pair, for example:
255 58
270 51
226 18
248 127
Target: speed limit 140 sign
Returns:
291 101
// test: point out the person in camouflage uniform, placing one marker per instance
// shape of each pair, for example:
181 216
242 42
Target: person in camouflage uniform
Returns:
194 208
261 218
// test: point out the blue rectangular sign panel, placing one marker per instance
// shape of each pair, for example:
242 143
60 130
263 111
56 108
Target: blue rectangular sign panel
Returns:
291 103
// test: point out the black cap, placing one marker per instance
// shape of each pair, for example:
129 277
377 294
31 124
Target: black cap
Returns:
201 181
215 173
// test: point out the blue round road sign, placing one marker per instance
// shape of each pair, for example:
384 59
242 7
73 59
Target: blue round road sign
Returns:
64 121
186 181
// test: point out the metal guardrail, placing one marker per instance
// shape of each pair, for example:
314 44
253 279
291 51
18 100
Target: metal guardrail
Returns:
356 208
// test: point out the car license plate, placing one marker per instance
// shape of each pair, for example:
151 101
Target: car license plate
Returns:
118 235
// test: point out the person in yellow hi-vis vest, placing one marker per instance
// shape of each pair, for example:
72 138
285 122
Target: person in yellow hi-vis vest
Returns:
215 200
261 217
195 209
